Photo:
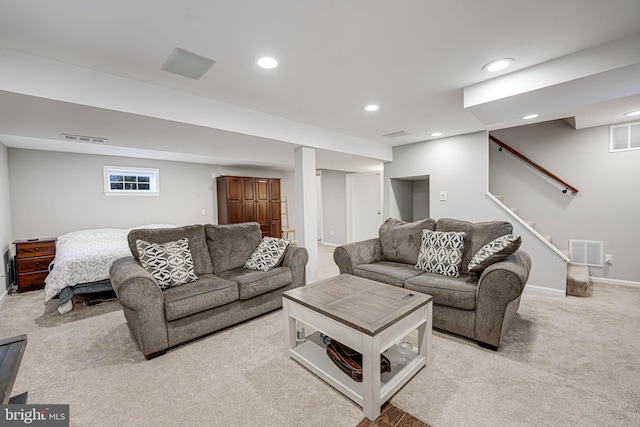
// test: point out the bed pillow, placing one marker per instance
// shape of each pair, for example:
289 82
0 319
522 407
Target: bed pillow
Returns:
171 263
441 252
494 251
268 254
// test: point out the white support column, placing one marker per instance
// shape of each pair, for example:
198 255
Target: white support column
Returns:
306 210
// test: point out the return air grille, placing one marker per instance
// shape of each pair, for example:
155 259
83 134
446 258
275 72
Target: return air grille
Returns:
80 138
395 134
586 252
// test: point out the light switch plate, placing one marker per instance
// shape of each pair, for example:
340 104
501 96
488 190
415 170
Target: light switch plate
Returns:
443 196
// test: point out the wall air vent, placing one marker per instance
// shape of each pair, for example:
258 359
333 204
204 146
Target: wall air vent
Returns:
395 134
586 252
80 138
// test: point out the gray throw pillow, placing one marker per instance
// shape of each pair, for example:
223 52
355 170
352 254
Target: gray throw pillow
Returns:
171 264
268 254
441 252
494 251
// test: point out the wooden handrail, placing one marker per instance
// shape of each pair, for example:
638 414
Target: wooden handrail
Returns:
534 165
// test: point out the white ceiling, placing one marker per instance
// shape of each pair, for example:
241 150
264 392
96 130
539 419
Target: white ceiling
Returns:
420 60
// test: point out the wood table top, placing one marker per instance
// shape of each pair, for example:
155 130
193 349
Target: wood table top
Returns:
365 305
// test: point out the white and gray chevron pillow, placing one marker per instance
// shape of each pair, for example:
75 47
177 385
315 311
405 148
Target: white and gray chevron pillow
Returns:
268 254
441 252
171 264
494 251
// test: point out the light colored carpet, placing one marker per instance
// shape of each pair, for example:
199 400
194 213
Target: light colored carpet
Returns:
565 361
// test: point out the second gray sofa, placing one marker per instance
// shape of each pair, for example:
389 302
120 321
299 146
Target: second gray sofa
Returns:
478 305
224 293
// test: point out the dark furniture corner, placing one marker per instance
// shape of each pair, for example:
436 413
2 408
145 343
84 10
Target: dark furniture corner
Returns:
32 262
11 352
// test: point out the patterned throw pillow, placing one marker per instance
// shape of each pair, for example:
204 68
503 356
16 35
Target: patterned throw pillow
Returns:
494 251
441 252
267 255
169 263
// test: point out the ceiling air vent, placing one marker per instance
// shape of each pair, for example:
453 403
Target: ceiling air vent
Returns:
80 138
396 134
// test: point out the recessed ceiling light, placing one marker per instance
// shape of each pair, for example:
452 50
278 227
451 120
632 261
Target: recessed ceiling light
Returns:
267 63
371 107
436 134
633 113
498 65
530 116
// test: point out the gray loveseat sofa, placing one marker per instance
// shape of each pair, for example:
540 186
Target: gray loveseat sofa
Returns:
479 306
224 293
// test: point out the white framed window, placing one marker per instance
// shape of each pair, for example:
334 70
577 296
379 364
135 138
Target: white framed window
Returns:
121 180
624 137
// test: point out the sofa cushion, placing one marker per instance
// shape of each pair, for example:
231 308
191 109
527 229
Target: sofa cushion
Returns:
194 233
268 254
169 263
231 245
400 241
252 283
207 292
494 251
441 252
458 292
391 273
477 235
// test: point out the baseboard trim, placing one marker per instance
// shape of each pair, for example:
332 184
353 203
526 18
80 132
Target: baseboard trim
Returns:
606 281
330 244
539 290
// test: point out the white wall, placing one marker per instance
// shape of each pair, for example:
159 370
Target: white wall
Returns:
53 193
460 166
334 207
421 199
5 218
457 165
606 208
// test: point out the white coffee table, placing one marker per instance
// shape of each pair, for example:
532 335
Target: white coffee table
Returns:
371 318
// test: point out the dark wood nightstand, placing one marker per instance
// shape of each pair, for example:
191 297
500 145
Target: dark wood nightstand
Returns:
32 262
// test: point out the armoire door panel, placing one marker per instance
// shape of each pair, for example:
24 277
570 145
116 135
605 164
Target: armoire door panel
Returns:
263 212
234 189
262 190
274 189
248 191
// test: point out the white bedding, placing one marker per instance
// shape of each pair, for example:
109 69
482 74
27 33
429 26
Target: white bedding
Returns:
86 256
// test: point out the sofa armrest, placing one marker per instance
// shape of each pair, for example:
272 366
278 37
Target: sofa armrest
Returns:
498 296
352 254
135 287
296 259
143 304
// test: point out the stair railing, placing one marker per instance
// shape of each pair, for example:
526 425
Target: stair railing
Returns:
534 165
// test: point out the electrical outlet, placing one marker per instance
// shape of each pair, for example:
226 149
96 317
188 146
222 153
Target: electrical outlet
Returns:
203 212
443 196
608 259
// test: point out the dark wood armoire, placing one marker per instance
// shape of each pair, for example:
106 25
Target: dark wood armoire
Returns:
244 199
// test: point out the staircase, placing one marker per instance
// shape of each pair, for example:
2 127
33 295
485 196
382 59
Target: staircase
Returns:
578 282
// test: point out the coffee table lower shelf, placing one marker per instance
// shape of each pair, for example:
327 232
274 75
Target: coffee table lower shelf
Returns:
312 355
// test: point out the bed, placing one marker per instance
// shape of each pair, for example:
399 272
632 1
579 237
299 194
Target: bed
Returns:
82 261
